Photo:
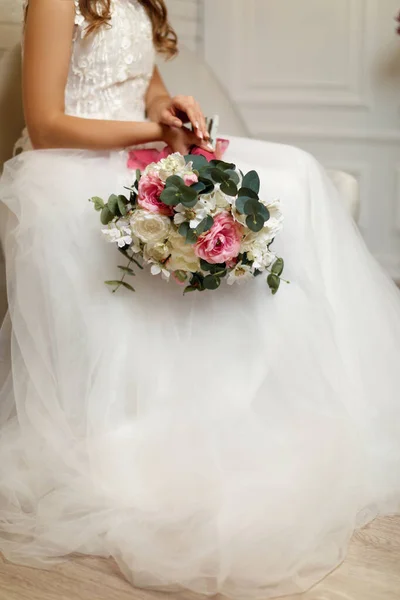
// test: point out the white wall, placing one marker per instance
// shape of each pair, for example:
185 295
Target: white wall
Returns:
323 75
10 18
186 17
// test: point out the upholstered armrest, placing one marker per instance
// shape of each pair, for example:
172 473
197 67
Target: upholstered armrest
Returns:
349 190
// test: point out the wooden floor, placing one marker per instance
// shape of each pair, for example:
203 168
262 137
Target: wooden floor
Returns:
371 572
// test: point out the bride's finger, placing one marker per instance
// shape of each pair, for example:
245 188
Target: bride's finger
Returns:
195 140
167 118
202 122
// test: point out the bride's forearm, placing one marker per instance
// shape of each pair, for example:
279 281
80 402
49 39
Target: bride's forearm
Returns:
66 131
157 96
157 104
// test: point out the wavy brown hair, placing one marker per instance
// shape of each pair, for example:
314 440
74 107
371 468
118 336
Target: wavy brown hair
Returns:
98 13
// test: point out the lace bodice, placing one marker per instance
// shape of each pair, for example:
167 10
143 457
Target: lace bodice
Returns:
110 69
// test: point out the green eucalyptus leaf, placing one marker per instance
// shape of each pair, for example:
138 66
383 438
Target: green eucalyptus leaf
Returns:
198 161
122 202
118 283
191 237
211 282
229 188
137 263
127 286
138 175
113 204
221 164
98 203
106 216
209 185
248 193
190 288
240 202
197 281
127 270
218 270
252 207
175 181
274 282
171 196
255 222
124 251
264 212
252 181
205 171
199 187
233 176
219 176
278 266
204 225
205 266
189 196
183 229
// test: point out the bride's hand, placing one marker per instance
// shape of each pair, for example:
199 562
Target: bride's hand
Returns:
183 109
180 139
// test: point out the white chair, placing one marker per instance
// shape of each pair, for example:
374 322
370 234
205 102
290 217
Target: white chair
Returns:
187 74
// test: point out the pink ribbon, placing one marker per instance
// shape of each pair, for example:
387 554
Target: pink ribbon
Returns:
141 158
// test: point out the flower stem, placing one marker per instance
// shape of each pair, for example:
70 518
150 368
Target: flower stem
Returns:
279 276
123 276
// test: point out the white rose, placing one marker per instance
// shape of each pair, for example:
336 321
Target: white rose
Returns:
174 164
150 227
182 256
158 251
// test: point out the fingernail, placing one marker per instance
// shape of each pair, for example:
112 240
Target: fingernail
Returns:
210 147
200 135
197 125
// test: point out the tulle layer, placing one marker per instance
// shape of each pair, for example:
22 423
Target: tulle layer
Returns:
227 441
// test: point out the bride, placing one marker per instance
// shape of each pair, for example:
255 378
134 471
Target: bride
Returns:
223 442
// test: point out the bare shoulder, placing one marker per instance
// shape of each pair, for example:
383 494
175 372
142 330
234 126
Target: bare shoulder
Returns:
47 10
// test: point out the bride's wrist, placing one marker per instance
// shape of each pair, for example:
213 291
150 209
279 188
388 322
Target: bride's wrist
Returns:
157 105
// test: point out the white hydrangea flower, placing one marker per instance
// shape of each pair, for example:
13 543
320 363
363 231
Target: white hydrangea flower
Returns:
194 215
260 255
255 245
174 164
119 233
158 269
240 274
150 227
274 209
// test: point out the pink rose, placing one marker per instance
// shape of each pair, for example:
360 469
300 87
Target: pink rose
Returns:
190 178
150 189
221 243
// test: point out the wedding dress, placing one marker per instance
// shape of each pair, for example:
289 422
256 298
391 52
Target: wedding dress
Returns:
226 441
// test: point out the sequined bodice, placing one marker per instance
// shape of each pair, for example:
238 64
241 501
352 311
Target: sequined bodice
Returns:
111 68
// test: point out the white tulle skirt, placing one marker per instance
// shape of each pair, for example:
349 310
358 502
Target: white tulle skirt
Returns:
227 441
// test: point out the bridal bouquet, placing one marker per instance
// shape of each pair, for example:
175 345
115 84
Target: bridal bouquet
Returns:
195 221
